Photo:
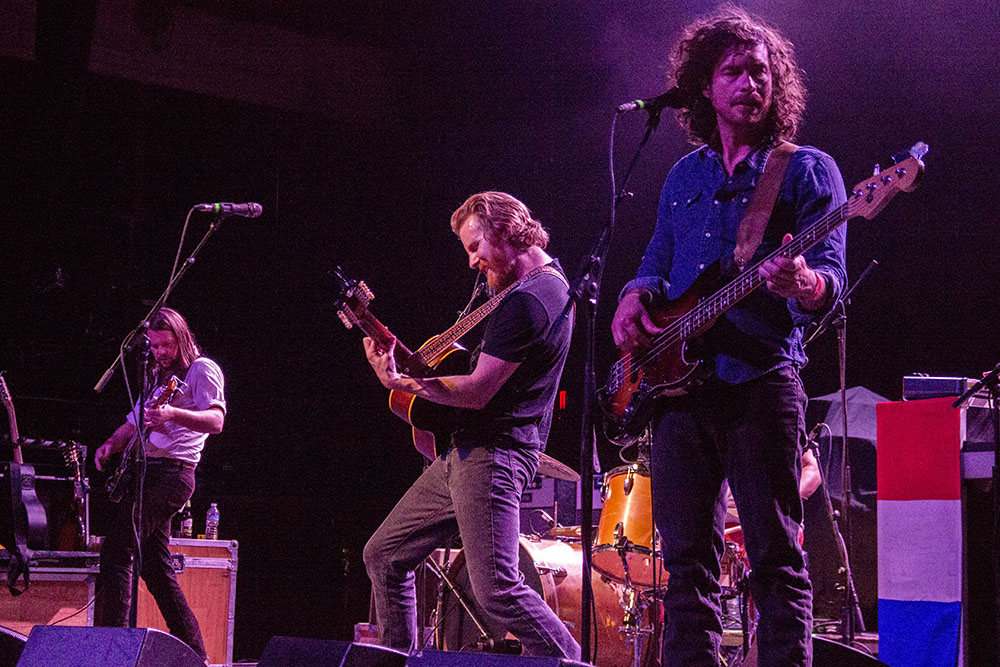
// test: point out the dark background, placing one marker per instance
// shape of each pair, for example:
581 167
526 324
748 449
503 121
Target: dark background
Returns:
359 127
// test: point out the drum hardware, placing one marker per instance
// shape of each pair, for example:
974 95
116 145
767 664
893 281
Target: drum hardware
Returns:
558 572
629 482
738 624
623 547
484 636
635 603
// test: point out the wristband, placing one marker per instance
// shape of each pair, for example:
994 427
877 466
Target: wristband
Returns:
818 292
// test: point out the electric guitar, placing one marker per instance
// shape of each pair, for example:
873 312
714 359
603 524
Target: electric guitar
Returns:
669 367
440 355
29 521
117 481
74 460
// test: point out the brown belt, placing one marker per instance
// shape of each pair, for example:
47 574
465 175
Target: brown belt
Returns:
164 461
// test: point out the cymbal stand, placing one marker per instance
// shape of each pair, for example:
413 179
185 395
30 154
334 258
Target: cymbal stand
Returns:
485 642
746 623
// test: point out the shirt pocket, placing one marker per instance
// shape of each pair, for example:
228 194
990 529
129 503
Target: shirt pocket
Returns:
689 216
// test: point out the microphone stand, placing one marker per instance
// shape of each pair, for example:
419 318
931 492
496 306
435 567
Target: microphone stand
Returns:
837 316
991 381
138 482
138 336
130 341
584 292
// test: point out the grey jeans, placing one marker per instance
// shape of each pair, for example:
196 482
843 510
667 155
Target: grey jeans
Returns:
475 492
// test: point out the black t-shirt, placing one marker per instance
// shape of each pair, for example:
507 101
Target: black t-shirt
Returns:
527 328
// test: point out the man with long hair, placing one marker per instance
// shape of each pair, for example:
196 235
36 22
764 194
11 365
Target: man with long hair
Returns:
745 423
474 485
177 433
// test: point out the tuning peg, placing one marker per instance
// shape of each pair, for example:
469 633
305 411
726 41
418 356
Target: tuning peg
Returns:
347 319
876 170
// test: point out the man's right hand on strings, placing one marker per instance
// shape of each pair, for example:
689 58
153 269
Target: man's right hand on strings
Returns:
633 325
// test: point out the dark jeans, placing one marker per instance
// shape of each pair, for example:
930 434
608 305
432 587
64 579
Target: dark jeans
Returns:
474 492
168 485
751 434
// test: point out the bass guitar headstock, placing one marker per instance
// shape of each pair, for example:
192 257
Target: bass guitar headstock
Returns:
870 196
351 298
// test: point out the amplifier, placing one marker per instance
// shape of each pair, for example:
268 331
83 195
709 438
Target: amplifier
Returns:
925 386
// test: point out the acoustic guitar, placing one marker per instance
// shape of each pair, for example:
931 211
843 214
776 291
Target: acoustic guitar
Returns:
439 356
30 527
670 366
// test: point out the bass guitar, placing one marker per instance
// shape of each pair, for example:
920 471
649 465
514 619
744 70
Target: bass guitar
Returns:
440 355
117 481
670 366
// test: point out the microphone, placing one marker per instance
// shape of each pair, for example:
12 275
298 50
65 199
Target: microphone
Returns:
673 98
248 210
815 432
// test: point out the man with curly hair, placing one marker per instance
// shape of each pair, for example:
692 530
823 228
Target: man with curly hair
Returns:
745 423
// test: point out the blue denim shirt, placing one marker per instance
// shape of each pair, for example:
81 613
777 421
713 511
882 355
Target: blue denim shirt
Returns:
700 211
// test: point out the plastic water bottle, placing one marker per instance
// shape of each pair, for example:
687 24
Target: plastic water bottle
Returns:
212 522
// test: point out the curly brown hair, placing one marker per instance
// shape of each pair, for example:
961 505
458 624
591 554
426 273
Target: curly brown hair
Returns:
694 60
505 217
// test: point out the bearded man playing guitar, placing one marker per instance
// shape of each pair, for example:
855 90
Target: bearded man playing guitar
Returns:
177 431
473 487
745 422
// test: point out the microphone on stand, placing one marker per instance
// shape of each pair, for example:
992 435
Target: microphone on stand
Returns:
673 99
248 210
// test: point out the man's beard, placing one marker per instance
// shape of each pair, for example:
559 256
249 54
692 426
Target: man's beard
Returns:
162 373
500 279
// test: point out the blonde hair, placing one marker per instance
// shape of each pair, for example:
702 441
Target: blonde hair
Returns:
503 217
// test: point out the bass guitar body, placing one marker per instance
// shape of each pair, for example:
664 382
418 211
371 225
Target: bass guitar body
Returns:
669 368
432 422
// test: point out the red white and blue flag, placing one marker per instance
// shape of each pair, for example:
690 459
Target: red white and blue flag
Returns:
919 533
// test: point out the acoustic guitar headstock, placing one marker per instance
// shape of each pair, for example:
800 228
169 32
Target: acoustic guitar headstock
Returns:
351 298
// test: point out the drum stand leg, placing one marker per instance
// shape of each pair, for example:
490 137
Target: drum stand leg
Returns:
485 642
747 625
635 604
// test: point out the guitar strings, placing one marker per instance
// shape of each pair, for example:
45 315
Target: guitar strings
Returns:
750 280
442 343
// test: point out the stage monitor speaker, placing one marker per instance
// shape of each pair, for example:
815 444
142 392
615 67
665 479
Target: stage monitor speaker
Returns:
11 645
59 646
297 652
458 659
828 653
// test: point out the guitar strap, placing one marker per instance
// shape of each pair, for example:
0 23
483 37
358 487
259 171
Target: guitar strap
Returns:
754 222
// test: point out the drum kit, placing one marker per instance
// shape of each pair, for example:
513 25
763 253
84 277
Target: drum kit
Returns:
628 584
